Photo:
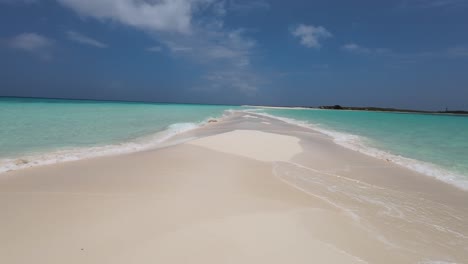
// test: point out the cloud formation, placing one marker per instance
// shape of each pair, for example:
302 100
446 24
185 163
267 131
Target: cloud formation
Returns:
244 81
310 36
191 29
162 15
232 46
355 48
33 43
82 39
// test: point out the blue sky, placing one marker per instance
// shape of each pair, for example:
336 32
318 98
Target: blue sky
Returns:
401 53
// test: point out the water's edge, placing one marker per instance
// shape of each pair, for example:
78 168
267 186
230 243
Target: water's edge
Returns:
356 143
160 138
148 142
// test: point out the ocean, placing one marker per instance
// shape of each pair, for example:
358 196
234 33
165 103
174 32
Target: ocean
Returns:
46 131
433 144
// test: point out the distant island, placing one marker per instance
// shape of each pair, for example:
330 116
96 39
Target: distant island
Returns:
380 109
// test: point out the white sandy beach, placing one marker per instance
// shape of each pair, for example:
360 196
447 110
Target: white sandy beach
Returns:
244 190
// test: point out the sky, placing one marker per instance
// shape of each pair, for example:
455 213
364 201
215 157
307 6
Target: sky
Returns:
401 53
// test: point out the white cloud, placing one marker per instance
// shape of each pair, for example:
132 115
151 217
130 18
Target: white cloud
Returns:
234 46
176 47
190 29
355 48
173 23
80 38
217 48
32 43
161 15
311 36
219 8
244 81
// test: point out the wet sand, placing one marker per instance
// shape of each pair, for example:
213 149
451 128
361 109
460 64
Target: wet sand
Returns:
249 189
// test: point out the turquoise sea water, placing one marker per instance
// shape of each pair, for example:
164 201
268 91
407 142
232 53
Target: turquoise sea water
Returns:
44 131
67 128
417 141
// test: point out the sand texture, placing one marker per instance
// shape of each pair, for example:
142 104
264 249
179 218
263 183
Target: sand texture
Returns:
243 190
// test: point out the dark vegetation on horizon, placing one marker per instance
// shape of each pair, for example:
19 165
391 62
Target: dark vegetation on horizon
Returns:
380 109
331 107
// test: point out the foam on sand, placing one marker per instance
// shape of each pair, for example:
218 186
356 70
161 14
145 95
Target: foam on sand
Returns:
360 144
253 144
218 199
152 141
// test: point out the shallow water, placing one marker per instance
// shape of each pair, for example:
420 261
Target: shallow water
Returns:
436 145
51 129
45 131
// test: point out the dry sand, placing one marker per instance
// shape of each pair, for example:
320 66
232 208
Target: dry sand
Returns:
253 144
242 192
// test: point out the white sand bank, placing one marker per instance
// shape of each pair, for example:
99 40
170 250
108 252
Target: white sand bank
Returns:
244 192
253 144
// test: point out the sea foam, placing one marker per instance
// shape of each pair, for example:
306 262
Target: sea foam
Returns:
358 143
153 141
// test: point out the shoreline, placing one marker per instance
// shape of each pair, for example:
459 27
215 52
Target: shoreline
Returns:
243 189
355 143
151 141
461 113
169 136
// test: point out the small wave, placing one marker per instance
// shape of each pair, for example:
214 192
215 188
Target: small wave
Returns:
357 143
72 154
